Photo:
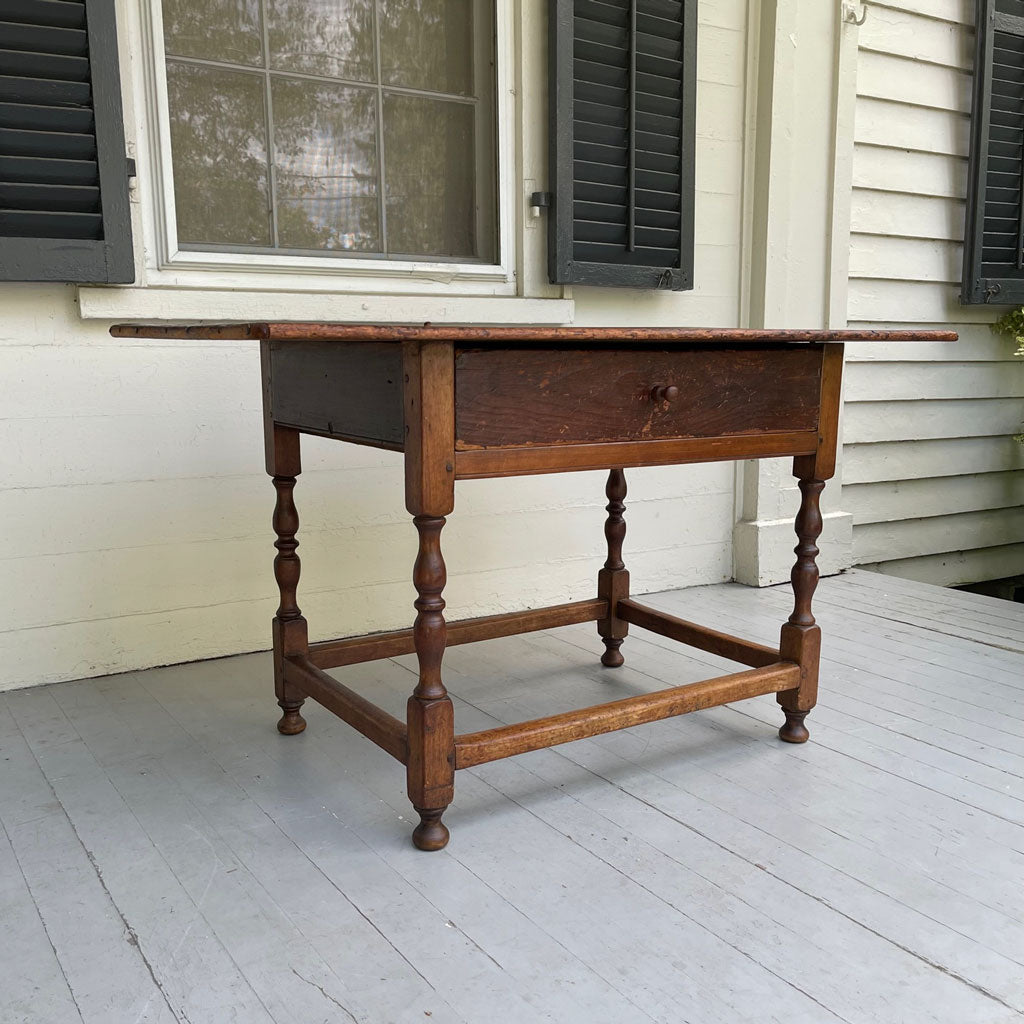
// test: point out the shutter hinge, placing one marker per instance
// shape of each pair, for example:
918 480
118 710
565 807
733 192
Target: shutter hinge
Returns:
539 201
130 167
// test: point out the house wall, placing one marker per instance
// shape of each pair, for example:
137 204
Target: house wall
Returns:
931 472
132 491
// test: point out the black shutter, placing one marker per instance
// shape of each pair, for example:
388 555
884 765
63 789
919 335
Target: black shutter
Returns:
623 89
64 212
994 234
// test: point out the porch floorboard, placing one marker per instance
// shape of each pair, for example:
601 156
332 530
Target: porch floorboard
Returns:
166 855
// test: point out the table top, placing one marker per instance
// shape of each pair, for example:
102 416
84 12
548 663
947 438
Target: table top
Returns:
505 336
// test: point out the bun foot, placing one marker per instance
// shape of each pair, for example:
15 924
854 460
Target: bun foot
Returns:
291 723
430 833
794 731
612 657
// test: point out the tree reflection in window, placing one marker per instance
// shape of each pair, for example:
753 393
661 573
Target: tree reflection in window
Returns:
346 126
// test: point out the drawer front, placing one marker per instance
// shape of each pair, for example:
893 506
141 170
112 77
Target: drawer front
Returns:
512 398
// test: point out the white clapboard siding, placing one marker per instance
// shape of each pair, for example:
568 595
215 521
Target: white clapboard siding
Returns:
905 259
932 474
881 212
906 382
892 501
951 568
911 538
937 457
927 303
718 98
723 14
978 343
78 518
960 12
883 168
359 556
883 122
899 30
723 55
880 77
932 417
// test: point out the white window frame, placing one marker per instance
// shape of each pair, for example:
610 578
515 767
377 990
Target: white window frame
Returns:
167 265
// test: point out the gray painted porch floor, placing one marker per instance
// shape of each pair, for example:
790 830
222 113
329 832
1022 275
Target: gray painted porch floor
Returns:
167 856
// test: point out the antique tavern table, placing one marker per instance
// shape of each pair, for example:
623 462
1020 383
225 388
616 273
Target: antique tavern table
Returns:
470 402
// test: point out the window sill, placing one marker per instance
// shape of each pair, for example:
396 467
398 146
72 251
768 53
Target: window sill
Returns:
213 304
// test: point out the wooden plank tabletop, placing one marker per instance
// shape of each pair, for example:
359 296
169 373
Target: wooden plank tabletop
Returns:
482 335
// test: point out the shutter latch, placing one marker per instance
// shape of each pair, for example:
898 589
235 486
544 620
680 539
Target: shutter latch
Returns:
850 15
539 201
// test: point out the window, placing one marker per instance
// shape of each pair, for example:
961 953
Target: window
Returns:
993 268
622 108
64 213
356 128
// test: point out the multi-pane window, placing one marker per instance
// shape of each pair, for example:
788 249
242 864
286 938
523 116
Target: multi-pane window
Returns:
347 127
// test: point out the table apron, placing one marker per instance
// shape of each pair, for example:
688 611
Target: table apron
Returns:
527 461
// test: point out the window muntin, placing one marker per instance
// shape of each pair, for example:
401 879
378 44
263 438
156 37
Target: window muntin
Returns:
359 128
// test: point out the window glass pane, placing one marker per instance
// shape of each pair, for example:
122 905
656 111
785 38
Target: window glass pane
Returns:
224 30
322 37
429 169
378 116
427 44
219 152
325 152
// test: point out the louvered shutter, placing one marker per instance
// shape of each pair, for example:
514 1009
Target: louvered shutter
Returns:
994 232
623 87
64 212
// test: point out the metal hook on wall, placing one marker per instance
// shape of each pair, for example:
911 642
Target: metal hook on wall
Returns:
850 13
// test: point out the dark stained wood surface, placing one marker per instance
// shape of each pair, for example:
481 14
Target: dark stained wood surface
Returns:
429 428
613 578
430 772
352 392
746 652
373 722
507 740
290 632
374 646
474 402
536 396
823 464
501 336
801 637
491 462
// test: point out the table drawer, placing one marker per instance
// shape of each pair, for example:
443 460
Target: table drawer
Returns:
511 398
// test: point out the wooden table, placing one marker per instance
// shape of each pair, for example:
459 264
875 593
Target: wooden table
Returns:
472 402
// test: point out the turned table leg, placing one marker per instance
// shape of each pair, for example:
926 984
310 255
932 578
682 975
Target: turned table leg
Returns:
290 632
431 723
801 637
613 579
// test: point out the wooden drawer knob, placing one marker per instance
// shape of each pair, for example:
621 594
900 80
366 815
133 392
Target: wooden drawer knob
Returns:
664 393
